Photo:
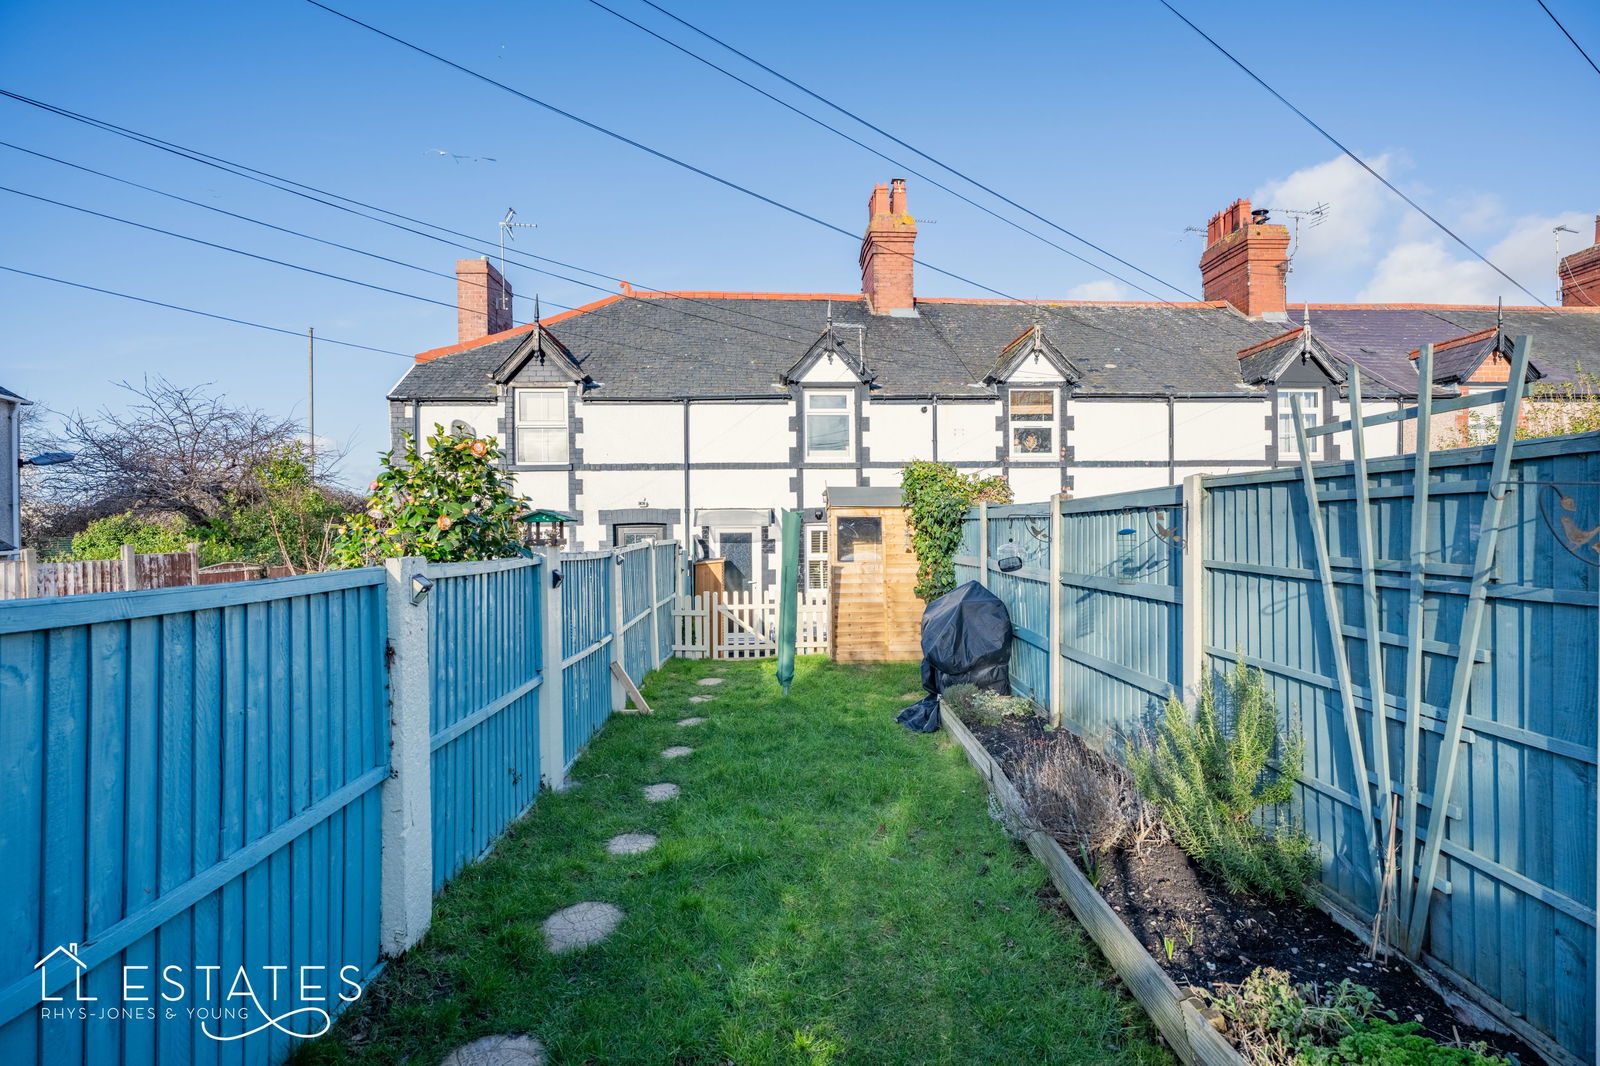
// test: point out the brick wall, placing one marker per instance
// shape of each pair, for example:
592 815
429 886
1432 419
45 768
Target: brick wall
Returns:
1245 263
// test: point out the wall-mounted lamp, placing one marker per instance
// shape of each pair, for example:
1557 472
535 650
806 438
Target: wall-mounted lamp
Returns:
555 579
1008 557
421 585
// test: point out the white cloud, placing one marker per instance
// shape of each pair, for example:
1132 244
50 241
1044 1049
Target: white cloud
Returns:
1359 208
1437 270
1099 290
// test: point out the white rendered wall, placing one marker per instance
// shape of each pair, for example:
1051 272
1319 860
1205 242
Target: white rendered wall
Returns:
1209 431
1099 481
967 431
543 488
1108 429
484 418
631 432
741 488
739 431
829 370
1380 440
819 481
1029 483
899 432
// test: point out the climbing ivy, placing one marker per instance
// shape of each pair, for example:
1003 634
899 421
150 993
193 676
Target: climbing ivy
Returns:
939 496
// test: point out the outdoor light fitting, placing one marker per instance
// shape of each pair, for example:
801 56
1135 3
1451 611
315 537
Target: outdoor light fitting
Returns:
421 585
47 459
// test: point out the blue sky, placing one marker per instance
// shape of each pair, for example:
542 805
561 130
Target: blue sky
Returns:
1114 120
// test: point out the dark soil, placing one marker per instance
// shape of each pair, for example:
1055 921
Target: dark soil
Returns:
1218 940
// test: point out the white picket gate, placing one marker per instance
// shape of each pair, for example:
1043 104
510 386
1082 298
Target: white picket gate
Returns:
738 625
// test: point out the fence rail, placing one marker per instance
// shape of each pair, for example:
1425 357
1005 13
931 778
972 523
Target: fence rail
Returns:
743 625
278 774
1155 588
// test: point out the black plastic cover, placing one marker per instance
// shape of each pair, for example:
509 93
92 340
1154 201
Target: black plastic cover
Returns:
966 640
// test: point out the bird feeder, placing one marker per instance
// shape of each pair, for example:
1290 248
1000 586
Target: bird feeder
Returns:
546 529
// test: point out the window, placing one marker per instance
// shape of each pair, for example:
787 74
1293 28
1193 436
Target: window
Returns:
1311 408
1032 418
622 536
860 540
541 426
816 579
828 426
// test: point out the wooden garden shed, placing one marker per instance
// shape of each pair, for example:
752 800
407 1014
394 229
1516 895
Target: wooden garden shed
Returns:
875 615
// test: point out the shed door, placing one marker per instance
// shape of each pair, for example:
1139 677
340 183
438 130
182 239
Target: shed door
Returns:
860 633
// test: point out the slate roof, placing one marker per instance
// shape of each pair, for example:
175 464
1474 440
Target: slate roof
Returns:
731 345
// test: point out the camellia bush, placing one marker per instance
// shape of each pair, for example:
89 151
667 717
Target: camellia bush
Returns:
448 503
938 497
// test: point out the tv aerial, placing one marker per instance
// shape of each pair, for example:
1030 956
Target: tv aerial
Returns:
508 229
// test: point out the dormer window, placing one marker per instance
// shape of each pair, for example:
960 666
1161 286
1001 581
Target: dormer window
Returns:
828 425
1031 420
541 430
1311 409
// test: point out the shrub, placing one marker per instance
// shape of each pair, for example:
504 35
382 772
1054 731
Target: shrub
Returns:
452 503
104 537
938 497
1213 789
978 706
1081 798
1276 1023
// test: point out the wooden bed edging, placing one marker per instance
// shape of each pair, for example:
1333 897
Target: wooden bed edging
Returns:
1174 1012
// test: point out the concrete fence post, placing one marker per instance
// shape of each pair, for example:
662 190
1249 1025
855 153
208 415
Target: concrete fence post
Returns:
552 706
655 611
406 900
1193 529
618 696
983 543
130 568
1053 629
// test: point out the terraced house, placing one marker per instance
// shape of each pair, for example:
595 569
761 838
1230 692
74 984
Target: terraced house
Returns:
700 414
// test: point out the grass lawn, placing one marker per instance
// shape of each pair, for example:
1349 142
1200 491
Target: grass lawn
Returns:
829 888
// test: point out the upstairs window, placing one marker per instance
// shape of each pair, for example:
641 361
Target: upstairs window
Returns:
1311 408
827 426
541 426
1032 423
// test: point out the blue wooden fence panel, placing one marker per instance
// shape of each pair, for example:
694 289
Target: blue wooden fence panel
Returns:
585 647
1517 918
1025 592
638 608
666 594
486 652
191 778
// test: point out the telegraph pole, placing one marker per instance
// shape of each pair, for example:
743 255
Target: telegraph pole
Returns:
311 400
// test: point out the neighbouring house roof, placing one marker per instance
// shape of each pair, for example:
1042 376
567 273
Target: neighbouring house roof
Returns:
711 345
7 396
1456 361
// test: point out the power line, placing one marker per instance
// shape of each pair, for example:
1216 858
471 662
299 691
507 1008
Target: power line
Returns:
912 148
298 334
1569 37
887 158
1362 163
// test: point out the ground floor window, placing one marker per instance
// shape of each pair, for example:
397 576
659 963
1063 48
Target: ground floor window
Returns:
816 570
636 532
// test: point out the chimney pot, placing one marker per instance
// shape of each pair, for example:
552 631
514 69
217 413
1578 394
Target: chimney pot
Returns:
1579 274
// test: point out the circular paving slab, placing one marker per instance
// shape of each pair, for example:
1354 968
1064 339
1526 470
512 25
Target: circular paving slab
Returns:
701 699
631 843
498 1051
709 681
660 793
677 751
580 925
691 721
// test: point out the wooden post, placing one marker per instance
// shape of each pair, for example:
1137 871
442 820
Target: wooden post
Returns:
30 573
983 543
619 697
406 893
130 568
552 711
193 548
1420 484
655 610
1053 630
1193 527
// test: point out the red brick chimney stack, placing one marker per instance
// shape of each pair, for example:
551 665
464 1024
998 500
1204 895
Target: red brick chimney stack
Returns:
1246 261
1580 274
483 300
886 251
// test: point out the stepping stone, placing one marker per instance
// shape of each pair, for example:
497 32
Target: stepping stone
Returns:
691 721
709 681
580 925
498 1051
677 751
631 844
701 699
660 793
